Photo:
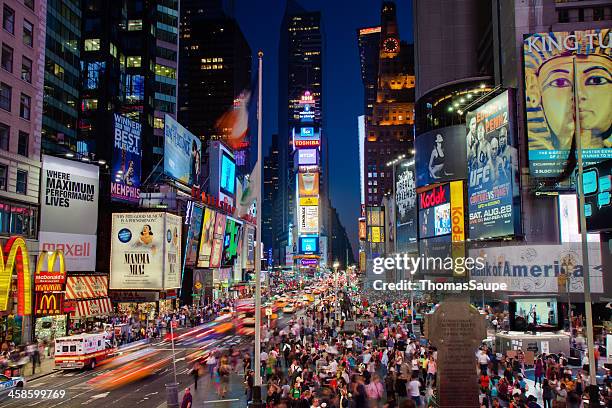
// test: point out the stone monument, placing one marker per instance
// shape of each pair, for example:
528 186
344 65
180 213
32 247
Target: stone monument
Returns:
456 328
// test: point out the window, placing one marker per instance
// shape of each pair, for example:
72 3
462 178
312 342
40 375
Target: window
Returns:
94 70
58 71
23 144
28 33
92 44
7 58
134 25
29 4
113 50
563 16
134 61
5 96
3 176
89 104
26 69
5 136
24 106
598 14
8 19
165 71
22 182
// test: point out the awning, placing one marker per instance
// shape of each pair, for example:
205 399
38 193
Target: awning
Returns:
92 307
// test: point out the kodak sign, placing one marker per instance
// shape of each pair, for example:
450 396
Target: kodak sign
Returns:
14 259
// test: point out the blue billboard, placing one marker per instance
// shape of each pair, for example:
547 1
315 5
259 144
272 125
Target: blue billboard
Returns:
127 154
492 170
309 244
227 180
182 153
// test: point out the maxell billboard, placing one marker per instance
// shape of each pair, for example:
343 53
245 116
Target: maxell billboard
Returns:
69 191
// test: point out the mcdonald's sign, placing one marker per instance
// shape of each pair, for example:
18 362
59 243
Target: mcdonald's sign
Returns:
50 280
48 304
14 258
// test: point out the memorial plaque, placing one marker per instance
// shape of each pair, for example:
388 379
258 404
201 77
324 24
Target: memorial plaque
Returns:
457 329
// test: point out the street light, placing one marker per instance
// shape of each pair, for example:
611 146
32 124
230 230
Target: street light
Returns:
336 266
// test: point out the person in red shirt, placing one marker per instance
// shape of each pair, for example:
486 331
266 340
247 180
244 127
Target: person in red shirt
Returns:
187 399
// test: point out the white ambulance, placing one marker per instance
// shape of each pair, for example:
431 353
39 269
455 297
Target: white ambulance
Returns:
82 350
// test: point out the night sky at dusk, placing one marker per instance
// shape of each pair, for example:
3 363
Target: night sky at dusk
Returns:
342 87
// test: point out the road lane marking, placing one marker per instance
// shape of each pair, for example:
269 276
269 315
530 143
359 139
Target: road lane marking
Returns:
221 400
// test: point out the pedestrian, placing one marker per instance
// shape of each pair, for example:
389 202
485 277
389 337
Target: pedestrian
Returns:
195 372
211 363
187 399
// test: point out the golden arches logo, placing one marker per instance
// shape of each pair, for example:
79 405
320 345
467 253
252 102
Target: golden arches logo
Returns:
51 257
48 299
15 258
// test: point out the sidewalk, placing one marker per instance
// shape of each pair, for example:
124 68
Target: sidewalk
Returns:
47 366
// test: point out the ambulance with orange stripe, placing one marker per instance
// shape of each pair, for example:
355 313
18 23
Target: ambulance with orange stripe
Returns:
82 351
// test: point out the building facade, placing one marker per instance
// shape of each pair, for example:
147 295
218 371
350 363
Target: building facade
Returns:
368 42
62 76
216 62
21 110
300 70
270 192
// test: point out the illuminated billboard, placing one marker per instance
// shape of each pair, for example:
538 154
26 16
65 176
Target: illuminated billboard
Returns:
309 244
406 203
440 156
192 243
307 157
127 154
308 221
145 251
207 238
441 212
492 169
597 182
182 153
306 136
231 240
308 184
549 98
222 173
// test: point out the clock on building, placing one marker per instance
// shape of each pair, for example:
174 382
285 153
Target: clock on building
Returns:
391 45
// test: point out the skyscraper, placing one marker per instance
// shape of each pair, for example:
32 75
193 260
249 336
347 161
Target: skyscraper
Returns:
270 193
368 41
62 80
300 71
389 132
215 62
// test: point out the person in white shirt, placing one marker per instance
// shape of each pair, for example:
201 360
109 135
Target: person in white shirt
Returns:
483 361
413 388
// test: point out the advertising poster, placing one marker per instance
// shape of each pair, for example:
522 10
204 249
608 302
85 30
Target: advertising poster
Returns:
309 244
231 241
218 241
182 153
207 238
439 156
69 190
308 219
227 180
308 184
172 270
549 94
144 248
492 169
137 251
86 287
248 247
406 204
362 230
127 153
597 185
193 236
306 137
434 212
537 268
307 157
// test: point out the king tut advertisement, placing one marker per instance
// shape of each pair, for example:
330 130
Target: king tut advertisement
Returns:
145 251
492 169
550 84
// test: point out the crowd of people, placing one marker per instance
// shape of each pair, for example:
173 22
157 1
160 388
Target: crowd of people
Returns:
380 360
